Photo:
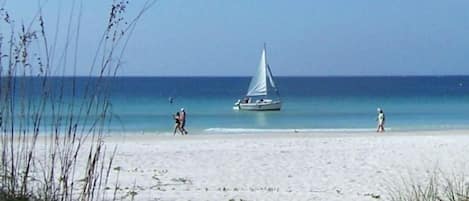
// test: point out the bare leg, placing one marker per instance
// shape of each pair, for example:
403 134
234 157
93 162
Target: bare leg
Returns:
380 128
183 129
177 127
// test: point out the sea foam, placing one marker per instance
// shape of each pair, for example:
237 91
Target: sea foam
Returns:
288 130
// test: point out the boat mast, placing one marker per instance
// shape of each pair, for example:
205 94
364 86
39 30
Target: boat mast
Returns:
265 68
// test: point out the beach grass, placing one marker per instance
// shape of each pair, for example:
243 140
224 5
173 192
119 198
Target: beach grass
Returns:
75 125
437 186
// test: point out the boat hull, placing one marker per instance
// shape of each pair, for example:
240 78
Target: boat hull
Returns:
262 106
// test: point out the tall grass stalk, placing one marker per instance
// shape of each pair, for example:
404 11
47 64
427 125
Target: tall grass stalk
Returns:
436 187
51 134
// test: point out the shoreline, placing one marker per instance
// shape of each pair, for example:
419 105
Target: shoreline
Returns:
331 134
278 132
250 130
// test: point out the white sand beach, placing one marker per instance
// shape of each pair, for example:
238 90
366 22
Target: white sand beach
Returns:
287 166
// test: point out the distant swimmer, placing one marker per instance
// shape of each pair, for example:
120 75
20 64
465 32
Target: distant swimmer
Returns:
170 100
381 119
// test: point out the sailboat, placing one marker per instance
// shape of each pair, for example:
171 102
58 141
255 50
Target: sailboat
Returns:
259 91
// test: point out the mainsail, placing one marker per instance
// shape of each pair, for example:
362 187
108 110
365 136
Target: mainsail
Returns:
258 85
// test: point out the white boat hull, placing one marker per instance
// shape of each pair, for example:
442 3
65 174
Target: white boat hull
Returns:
261 106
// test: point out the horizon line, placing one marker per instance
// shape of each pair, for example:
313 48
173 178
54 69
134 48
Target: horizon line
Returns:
234 76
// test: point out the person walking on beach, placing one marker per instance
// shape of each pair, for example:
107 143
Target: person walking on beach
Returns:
183 116
381 119
177 125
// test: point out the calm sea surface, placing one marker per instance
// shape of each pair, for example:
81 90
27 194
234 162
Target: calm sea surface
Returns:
141 104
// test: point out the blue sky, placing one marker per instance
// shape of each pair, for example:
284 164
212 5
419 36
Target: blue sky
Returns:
314 38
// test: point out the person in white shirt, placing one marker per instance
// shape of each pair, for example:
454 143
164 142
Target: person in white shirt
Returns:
381 119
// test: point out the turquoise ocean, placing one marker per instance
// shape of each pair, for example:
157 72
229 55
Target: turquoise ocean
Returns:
313 104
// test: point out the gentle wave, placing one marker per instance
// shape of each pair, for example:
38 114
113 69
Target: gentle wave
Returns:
288 130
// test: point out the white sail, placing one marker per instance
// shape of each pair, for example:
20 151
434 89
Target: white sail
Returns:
271 79
258 85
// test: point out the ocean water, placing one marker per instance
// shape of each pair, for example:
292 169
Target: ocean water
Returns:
140 104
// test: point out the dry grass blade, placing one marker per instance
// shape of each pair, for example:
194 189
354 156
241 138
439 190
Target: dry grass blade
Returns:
437 187
46 127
